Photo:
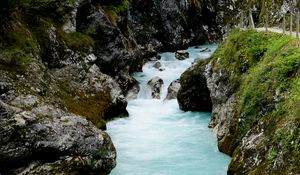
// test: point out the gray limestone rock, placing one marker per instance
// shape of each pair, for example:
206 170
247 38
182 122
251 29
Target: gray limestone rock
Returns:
58 141
181 54
133 92
173 90
155 84
96 81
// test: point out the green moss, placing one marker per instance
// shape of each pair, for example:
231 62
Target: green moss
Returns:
121 8
15 56
76 41
91 106
114 11
272 156
264 72
18 47
264 68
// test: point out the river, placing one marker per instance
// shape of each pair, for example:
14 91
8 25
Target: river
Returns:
158 138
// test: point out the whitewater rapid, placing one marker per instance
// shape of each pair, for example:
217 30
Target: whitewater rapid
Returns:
158 138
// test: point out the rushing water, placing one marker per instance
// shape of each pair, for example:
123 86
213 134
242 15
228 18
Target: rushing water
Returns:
159 139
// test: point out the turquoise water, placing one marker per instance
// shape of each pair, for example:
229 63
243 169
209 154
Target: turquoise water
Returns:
158 138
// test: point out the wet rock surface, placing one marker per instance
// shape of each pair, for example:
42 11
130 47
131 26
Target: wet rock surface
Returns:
157 65
205 50
155 84
133 92
193 94
173 90
181 54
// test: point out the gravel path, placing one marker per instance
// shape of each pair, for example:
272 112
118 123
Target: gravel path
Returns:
276 30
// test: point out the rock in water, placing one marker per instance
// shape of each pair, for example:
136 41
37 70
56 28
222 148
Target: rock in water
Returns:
133 92
181 54
205 50
48 140
95 81
173 90
156 85
155 58
194 94
157 65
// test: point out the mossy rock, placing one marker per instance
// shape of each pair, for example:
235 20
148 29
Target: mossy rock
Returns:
264 69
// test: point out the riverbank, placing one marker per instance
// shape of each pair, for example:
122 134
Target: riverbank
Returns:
253 82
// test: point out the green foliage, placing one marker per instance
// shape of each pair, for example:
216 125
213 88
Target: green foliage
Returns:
119 9
15 57
18 45
76 41
114 11
32 10
272 156
264 69
286 143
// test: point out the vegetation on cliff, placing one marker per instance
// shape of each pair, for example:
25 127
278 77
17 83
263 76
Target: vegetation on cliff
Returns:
255 95
265 69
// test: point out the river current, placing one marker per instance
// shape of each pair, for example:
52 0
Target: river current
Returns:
158 138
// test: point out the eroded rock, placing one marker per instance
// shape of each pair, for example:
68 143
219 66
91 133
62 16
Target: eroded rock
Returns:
205 50
98 82
173 90
157 65
57 141
194 94
155 84
181 54
133 92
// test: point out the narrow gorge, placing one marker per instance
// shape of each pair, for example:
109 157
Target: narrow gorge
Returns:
159 138
84 87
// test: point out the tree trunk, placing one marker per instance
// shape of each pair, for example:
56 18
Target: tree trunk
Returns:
298 24
266 17
242 20
283 24
291 25
251 22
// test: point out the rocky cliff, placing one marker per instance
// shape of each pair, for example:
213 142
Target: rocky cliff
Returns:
253 82
65 67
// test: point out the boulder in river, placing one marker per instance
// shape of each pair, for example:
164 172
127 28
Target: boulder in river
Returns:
155 84
205 50
161 69
173 90
133 92
157 65
181 54
194 94
155 58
